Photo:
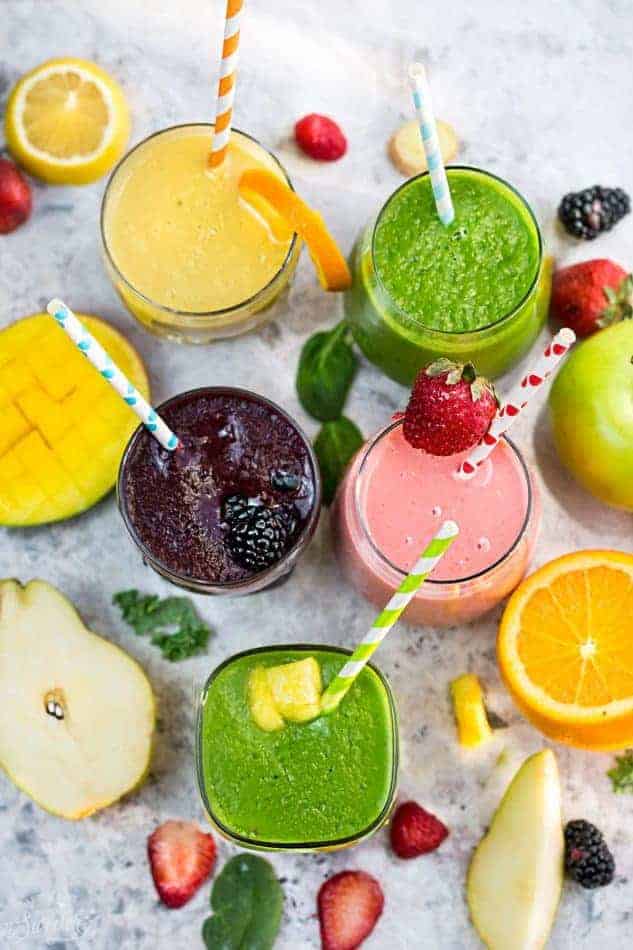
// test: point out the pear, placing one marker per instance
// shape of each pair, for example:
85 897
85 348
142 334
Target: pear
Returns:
77 715
516 874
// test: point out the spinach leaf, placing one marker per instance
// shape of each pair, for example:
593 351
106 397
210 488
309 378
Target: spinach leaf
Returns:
247 901
326 370
335 445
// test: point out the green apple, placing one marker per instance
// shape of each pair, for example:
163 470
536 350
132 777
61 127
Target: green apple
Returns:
591 410
516 874
77 716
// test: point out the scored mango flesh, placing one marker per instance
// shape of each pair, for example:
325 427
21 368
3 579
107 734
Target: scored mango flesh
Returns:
63 427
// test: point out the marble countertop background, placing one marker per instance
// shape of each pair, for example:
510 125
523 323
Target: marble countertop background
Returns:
540 93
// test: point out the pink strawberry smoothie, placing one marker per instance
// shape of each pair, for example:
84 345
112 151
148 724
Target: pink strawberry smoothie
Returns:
394 498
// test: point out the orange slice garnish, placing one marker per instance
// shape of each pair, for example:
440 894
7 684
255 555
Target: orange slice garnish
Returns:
565 649
261 188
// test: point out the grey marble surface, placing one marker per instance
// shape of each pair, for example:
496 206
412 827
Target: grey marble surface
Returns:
540 93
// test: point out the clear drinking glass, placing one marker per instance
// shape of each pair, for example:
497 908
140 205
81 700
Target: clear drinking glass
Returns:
437 603
183 325
274 574
399 343
335 842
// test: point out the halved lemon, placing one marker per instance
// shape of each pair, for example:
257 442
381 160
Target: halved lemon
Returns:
262 188
565 649
67 122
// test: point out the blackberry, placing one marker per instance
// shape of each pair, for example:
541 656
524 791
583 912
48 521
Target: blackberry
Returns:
587 857
257 536
281 480
585 214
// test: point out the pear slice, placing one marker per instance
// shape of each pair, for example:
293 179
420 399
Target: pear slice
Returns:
516 874
77 715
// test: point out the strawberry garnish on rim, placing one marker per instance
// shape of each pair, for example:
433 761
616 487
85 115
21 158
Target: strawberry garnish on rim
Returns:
181 858
349 905
450 408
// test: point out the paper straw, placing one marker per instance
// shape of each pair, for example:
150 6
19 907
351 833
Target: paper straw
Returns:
94 352
431 143
518 400
226 83
383 623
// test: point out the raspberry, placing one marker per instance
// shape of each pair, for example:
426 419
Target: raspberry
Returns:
320 138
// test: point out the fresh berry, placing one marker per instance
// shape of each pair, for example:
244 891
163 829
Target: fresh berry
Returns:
591 295
349 905
257 536
415 831
320 138
585 214
181 858
15 197
587 857
450 408
284 481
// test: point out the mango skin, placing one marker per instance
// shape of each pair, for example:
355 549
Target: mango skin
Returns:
591 414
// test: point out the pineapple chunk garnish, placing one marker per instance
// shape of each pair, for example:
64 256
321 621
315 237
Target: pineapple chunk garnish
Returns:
470 712
290 692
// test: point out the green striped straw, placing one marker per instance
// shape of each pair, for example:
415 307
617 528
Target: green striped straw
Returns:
385 620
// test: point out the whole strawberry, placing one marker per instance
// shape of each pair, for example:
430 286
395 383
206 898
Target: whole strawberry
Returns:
320 138
15 197
415 831
450 408
591 295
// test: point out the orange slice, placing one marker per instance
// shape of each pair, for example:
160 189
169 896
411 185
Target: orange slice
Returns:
262 188
565 649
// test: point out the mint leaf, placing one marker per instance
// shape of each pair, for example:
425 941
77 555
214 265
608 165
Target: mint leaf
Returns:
621 774
247 902
335 445
173 622
327 366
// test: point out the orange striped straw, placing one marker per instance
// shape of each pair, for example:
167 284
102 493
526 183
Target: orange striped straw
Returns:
226 84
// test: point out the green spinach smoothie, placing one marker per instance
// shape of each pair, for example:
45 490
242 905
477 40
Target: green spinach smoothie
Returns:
469 291
318 783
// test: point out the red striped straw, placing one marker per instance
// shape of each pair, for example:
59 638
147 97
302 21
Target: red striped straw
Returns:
518 400
226 84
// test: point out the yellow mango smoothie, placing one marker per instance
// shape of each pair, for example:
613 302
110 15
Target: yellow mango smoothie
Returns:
188 256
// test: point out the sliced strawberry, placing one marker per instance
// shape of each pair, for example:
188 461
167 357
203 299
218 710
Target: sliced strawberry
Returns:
450 408
591 295
349 905
320 137
15 197
415 831
181 858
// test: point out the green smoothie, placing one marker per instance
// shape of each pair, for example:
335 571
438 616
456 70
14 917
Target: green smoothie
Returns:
322 783
469 291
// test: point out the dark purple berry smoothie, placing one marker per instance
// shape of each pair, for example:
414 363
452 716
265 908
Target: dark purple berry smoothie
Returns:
234 505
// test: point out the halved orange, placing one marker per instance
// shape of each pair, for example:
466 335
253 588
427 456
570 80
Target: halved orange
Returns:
260 188
565 649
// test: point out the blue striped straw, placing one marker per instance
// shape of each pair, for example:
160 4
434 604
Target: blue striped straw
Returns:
94 352
428 130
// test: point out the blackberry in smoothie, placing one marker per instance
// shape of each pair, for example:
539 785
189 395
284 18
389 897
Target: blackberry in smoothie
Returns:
233 507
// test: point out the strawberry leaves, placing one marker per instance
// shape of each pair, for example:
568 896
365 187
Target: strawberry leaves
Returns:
247 902
619 306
